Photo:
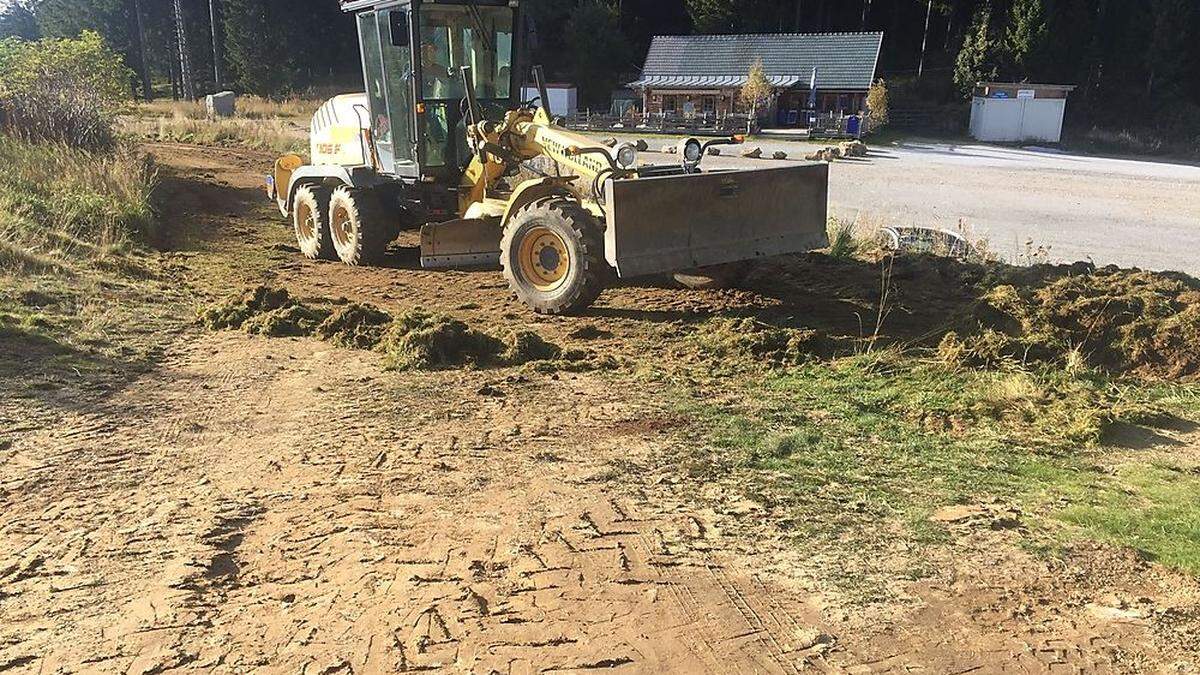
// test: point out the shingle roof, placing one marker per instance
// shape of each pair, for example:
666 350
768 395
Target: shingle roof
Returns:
842 60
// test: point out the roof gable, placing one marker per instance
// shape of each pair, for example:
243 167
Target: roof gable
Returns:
842 60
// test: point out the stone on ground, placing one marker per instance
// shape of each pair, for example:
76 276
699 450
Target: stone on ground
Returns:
220 104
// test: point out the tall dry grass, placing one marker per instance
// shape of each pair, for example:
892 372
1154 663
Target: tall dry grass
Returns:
59 204
278 126
276 136
247 107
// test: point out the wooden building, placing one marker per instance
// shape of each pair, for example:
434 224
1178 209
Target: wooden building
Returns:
691 75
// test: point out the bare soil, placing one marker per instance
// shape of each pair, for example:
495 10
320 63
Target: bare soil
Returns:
289 506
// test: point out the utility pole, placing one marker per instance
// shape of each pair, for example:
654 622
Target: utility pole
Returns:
185 62
216 43
924 40
147 85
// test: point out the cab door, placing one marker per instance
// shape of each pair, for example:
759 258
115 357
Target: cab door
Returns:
387 71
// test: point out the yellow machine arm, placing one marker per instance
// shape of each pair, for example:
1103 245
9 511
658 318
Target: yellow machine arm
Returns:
525 135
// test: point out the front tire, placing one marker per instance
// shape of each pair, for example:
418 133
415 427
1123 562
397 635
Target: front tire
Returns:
358 227
310 220
552 253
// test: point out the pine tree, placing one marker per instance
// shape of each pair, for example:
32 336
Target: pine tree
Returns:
1025 39
255 46
713 16
597 51
976 60
1167 51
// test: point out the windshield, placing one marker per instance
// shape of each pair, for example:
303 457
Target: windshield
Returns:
453 36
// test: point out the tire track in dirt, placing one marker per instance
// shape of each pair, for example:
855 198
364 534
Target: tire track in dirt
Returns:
282 504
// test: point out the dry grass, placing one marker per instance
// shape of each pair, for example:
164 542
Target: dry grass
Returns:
60 203
273 135
278 126
248 107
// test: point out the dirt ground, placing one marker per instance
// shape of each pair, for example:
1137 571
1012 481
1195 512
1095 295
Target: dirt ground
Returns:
282 505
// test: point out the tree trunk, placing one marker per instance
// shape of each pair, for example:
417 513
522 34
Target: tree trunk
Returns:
949 25
187 85
216 43
144 61
924 40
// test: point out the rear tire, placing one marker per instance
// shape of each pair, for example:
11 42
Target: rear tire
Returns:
359 230
552 253
310 220
729 275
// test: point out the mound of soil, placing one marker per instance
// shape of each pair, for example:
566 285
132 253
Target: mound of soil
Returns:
415 340
529 346
235 311
1132 321
751 339
355 326
295 320
420 340
1124 321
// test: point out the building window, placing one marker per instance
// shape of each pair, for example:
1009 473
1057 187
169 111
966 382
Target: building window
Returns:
710 105
668 104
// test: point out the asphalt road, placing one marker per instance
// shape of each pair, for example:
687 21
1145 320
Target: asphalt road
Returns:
1128 212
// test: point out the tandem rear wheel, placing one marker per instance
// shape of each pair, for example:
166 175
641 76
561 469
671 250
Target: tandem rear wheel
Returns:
358 226
552 253
341 224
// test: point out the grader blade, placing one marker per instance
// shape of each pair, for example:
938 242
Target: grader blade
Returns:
469 243
672 223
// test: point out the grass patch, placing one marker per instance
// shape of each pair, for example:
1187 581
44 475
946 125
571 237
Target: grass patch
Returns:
81 292
862 450
1152 508
61 203
274 135
247 107
277 126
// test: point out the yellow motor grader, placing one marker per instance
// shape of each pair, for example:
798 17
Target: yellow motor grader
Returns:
441 141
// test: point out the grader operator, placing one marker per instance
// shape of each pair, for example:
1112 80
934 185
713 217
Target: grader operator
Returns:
442 142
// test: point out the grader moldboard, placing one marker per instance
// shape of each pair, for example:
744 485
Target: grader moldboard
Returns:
441 141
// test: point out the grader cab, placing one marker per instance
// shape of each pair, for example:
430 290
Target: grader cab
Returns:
442 142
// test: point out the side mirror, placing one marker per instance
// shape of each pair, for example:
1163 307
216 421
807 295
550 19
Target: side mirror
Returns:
398 27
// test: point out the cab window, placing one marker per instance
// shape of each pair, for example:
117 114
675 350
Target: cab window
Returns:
453 36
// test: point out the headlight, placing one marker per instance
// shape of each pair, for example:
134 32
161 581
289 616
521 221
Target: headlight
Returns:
627 156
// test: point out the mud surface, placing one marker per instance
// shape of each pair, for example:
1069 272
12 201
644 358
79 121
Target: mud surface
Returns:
289 505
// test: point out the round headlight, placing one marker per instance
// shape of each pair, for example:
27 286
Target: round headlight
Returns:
692 150
627 156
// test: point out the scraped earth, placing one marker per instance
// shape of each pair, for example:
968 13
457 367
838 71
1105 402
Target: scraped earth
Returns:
285 505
